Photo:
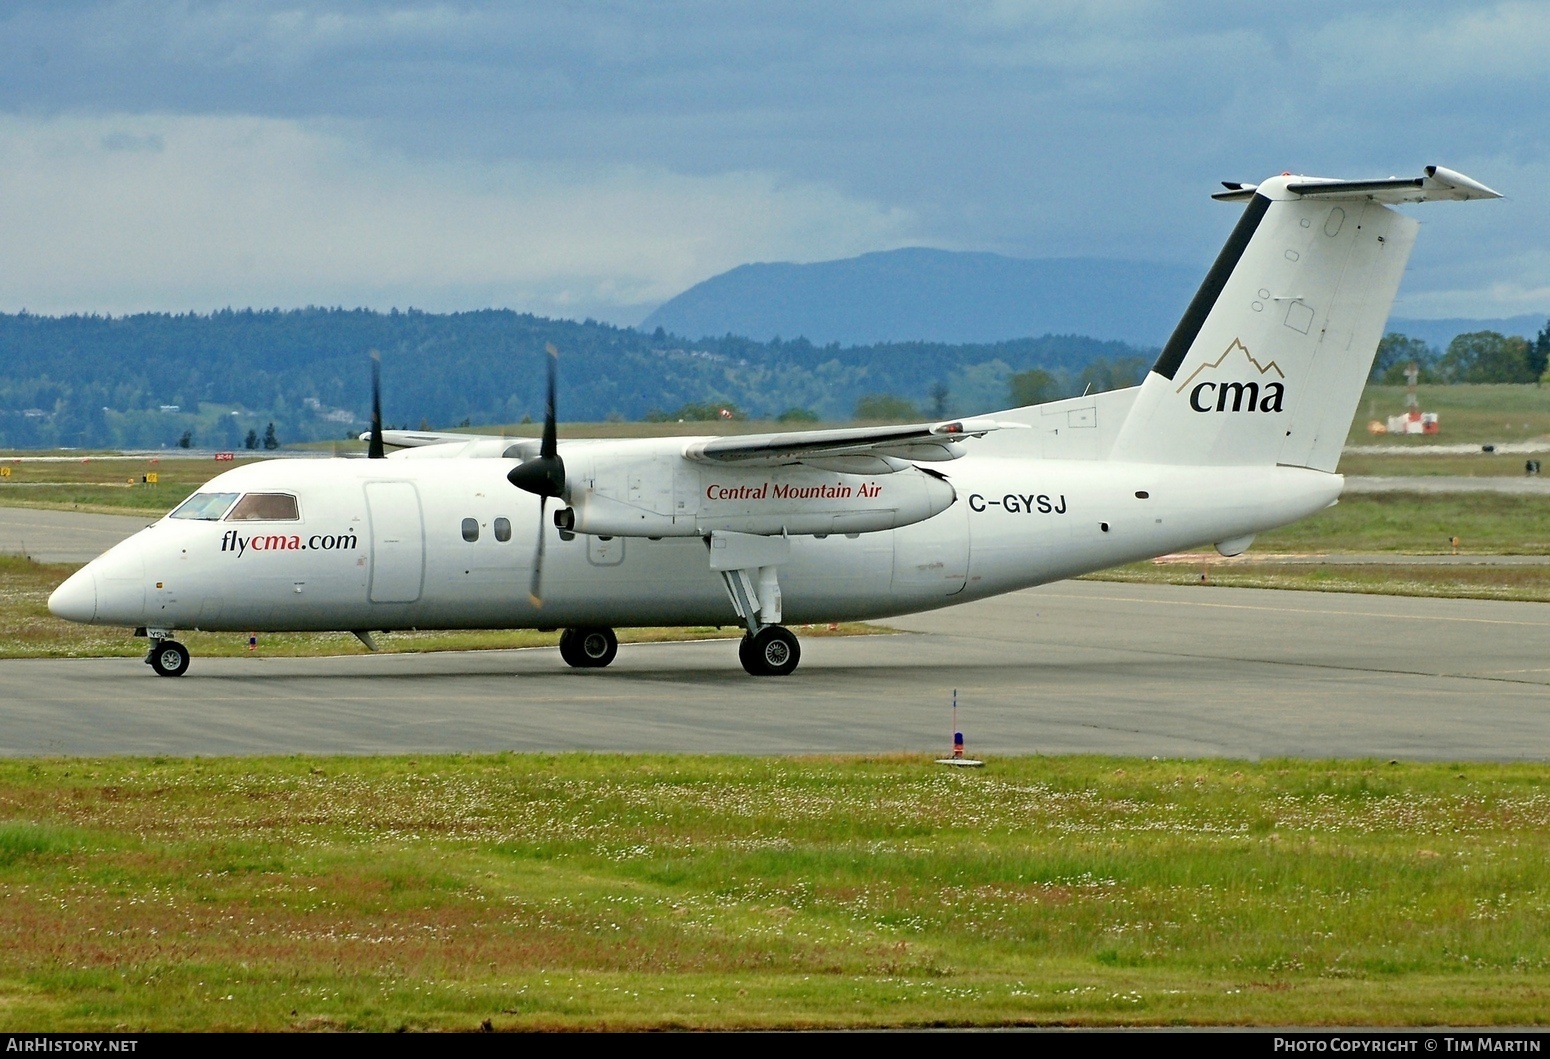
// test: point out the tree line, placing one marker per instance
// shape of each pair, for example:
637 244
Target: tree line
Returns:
1478 357
259 378
218 379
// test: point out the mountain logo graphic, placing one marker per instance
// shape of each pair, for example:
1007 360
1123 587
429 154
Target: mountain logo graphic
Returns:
1262 394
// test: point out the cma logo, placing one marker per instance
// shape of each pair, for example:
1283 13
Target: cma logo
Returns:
1215 395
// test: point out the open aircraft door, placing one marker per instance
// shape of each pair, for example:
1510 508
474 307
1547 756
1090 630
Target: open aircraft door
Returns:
397 542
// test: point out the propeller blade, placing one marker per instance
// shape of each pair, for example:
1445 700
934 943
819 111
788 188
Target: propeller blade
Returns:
549 447
544 474
374 447
533 590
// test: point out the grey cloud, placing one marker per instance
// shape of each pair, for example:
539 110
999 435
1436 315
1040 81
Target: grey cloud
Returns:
1034 128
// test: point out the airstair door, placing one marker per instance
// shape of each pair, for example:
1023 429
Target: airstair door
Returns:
397 542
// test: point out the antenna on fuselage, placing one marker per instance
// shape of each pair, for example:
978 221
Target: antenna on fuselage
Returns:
374 446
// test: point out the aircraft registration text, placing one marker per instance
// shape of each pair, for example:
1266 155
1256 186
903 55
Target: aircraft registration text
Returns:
1021 503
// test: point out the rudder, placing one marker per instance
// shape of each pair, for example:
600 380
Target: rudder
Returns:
1268 363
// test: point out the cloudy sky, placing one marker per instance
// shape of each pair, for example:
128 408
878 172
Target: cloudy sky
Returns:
594 159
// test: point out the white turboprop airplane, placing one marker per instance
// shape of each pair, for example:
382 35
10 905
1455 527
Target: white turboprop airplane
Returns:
1237 429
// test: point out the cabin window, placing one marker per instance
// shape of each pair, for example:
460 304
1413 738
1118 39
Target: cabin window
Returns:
470 530
206 506
503 530
265 507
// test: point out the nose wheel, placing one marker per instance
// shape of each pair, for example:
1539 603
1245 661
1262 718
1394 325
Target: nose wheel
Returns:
168 658
771 652
588 648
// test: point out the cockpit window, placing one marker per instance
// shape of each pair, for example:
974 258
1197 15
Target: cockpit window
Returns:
265 507
207 506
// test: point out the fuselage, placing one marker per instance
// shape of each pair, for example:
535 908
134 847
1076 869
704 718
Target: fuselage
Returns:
403 543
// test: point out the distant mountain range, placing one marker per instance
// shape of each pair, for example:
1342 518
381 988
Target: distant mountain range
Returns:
920 294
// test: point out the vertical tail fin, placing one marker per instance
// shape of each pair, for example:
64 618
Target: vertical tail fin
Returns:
1268 364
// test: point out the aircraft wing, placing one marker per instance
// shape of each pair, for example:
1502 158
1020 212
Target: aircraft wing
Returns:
414 439
875 449
436 445
860 450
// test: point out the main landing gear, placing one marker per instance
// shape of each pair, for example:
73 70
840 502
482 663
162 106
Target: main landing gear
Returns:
588 648
168 657
771 652
747 564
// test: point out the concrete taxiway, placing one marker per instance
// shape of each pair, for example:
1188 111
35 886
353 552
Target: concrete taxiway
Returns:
1522 485
1077 667
63 536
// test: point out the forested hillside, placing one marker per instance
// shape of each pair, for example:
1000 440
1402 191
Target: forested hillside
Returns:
154 379
937 296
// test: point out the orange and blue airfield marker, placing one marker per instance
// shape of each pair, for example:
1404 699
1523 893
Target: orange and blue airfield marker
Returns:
958 758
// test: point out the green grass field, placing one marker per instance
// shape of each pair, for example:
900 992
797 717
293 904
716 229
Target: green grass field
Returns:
1420 524
108 486
1477 413
623 892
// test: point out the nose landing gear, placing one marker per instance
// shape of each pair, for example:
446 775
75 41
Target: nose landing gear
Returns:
168 657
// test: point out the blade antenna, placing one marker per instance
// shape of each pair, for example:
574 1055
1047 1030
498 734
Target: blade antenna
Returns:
374 447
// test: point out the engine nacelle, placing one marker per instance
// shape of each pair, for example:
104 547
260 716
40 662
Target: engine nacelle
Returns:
794 500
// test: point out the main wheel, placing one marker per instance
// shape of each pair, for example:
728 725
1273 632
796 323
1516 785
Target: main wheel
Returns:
169 658
772 652
588 648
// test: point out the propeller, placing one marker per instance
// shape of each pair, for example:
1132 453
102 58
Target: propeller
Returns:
543 476
374 447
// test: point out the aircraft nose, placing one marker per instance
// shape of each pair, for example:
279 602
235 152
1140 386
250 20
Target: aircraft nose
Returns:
76 599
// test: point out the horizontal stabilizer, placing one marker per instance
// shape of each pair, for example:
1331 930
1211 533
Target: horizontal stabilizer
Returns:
1438 185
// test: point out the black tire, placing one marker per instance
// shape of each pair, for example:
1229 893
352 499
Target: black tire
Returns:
568 649
588 648
169 658
772 652
745 654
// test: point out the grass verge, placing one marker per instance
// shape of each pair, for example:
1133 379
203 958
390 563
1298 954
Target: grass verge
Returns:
1420 524
1474 413
1526 584
601 891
